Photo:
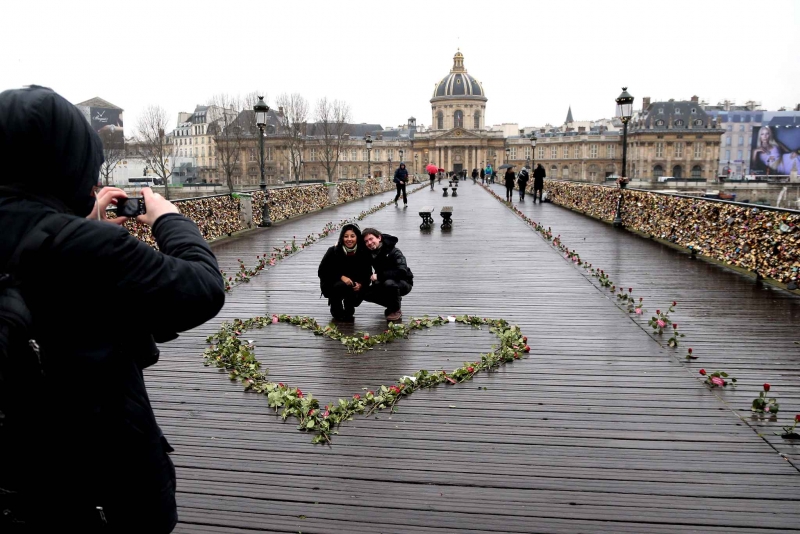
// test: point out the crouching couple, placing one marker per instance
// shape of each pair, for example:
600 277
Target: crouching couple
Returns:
347 278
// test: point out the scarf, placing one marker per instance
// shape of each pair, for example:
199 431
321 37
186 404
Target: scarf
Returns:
349 251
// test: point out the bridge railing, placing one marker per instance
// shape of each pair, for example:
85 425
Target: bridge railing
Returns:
760 239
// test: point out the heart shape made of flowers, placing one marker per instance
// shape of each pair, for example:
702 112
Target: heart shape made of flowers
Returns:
230 352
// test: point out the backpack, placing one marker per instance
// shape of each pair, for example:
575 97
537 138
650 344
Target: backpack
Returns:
22 403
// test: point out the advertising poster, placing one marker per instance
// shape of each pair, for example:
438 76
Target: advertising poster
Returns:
107 123
775 147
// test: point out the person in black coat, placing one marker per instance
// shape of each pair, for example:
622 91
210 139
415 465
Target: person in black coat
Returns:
483 176
100 299
432 176
344 272
510 179
539 175
522 182
400 179
474 175
392 278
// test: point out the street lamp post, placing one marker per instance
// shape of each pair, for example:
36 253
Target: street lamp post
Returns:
368 142
624 112
508 155
416 163
533 150
261 109
390 166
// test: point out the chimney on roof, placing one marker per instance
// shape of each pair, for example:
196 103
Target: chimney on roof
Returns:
645 103
695 99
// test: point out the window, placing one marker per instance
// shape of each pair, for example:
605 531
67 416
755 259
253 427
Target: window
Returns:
268 153
694 111
440 121
527 152
698 150
658 171
390 153
364 155
741 140
477 119
541 153
659 150
677 111
660 122
678 150
727 140
577 152
677 171
458 119
513 152
593 171
610 151
565 173
312 156
343 155
739 155
252 154
679 123
553 152
354 155
741 128
566 152
592 151
697 171
728 155
342 173
376 154
660 111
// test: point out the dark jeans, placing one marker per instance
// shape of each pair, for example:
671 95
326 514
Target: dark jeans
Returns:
342 299
509 191
540 194
522 190
401 187
388 294
433 178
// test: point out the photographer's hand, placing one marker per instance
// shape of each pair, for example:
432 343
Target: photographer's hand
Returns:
156 207
106 197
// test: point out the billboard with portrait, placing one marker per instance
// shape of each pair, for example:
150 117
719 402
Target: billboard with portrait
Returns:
775 148
107 122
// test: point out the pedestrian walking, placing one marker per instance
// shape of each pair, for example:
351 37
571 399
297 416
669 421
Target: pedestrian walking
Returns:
81 448
344 273
522 182
483 176
400 179
489 172
392 279
539 175
510 179
474 175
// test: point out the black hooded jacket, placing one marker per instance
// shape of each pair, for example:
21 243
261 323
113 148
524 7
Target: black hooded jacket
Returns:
389 263
539 174
401 174
336 263
98 296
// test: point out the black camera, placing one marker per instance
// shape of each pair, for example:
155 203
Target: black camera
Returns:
131 207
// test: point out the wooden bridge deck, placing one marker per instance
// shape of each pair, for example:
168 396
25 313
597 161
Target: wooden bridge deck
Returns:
600 429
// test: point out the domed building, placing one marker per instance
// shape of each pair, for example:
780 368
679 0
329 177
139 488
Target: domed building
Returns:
457 139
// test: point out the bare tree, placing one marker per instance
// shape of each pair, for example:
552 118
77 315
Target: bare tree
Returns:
153 146
332 118
113 153
229 130
293 124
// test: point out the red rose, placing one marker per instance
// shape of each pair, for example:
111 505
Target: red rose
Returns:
524 339
797 418
703 372
471 369
674 303
516 355
356 396
690 350
366 336
658 312
370 392
280 385
675 326
299 394
766 387
630 290
527 348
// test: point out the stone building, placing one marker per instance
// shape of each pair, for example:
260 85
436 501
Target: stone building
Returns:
676 138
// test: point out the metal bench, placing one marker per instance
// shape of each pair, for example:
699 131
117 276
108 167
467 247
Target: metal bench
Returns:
444 194
447 217
454 187
427 217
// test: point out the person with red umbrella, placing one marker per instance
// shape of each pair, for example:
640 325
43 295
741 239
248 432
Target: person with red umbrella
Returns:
432 170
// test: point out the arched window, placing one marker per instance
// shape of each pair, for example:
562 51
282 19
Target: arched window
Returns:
610 169
593 171
697 170
458 119
565 173
477 120
677 171
440 121
658 171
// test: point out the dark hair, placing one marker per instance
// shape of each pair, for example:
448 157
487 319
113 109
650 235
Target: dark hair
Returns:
371 231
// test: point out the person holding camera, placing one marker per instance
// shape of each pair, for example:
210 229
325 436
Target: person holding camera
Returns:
87 454
400 179
392 279
344 273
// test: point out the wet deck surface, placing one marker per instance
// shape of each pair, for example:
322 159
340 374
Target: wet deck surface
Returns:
599 429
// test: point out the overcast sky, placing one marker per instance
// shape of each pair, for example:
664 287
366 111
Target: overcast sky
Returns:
533 58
